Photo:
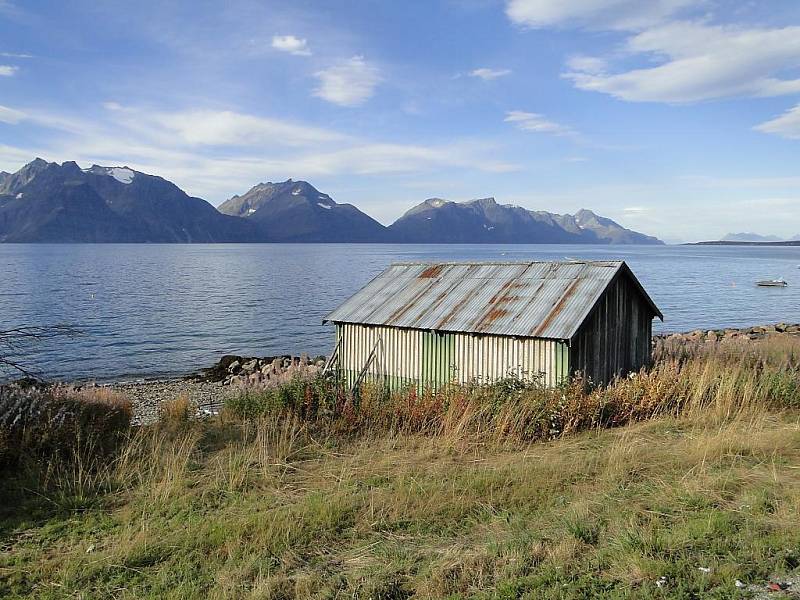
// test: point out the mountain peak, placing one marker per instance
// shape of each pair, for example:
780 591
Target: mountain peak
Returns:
295 211
11 184
484 202
124 174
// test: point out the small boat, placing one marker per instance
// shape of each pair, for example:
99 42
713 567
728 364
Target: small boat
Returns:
772 283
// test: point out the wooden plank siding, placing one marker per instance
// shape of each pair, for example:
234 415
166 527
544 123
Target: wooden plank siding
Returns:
615 339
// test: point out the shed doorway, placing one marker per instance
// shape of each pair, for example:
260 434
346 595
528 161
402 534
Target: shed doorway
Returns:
438 358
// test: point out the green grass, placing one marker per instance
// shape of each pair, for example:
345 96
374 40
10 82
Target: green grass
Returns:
283 506
599 514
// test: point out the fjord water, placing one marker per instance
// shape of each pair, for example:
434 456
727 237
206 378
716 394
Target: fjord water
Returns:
154 310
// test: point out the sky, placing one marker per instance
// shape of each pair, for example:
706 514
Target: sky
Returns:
677 118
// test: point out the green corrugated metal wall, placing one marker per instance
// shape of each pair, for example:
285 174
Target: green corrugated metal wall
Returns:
430 359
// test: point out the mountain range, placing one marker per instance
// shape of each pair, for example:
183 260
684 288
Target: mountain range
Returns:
48 202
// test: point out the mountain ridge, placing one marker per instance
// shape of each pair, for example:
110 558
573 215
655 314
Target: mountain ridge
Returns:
47 202
484 220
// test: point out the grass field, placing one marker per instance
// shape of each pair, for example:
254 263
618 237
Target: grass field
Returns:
674 483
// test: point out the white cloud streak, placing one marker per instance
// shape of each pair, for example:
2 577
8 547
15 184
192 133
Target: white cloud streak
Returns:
488 74
348 83
592 14
786 125
8 70
534 122
697 62
291 44
11 116
228 128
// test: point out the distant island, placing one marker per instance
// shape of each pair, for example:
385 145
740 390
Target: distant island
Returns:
735 243
63 203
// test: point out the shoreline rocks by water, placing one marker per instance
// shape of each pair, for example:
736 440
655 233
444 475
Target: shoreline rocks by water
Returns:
208 388
745 333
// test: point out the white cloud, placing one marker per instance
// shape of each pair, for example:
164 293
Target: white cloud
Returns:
787 125
228 128
537 123
9 115
587 64
15 55
11 158
291 44
349 83
488 74
593 14
697 61
8 70
635 209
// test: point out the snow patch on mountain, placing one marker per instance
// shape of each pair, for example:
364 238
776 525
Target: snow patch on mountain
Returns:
121 174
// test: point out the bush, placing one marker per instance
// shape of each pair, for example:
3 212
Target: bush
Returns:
310 399
42 425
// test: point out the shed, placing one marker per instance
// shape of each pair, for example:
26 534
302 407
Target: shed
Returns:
463 322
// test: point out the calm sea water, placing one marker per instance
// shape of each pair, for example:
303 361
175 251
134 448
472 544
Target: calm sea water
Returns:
152 310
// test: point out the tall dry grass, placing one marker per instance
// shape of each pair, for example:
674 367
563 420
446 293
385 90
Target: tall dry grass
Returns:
710 381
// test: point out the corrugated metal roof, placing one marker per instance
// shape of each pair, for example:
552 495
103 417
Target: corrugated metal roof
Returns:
531 299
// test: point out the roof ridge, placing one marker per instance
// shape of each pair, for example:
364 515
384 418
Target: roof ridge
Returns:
508 262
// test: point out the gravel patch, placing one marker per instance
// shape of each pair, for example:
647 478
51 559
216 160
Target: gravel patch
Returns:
147 396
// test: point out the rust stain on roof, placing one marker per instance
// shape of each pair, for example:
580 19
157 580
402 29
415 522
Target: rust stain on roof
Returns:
497 303
457 307
490 317
558 306
431 272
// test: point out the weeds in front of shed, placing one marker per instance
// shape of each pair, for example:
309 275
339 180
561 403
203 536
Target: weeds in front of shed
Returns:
715 381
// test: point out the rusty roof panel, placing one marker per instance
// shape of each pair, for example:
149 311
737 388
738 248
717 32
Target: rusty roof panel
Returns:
530 299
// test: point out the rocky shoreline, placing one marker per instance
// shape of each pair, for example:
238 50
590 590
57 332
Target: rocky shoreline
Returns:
745 333
208 388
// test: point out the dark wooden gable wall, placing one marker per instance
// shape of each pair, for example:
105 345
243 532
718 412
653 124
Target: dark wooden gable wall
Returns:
616 337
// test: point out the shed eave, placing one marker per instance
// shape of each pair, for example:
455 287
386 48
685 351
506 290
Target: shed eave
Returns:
460 331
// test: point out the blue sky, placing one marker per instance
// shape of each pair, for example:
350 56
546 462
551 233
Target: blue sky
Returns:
675 117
